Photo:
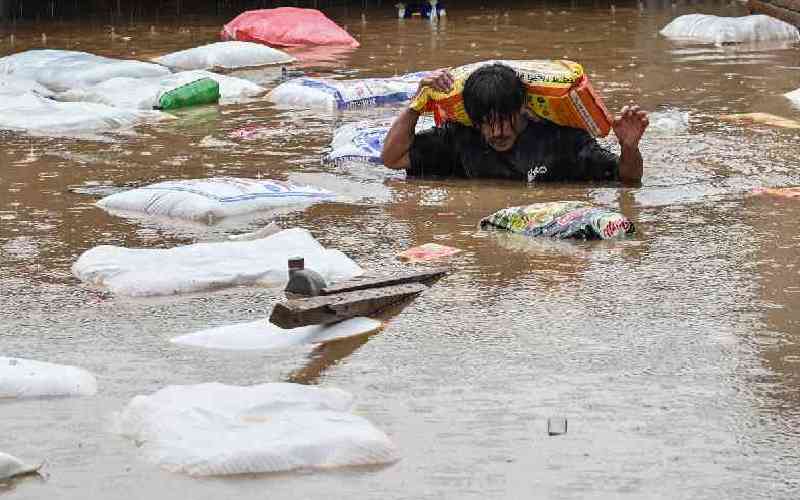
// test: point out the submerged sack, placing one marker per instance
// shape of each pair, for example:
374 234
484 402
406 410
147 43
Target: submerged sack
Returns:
558 91
26 378
209 200
721 30
224 55
561 219
327 94
287 27
363 141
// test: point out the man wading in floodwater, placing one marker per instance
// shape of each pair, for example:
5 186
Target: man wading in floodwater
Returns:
506 141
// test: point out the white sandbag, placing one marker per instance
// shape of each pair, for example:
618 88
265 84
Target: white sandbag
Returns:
215 429
721 30
331 95
794 96
363 141
38 115
61 70
11 467
224 55
14 86
144 93
143 272
209 200
25 378
263 335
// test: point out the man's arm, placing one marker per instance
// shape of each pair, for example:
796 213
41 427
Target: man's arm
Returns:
629 128
401 136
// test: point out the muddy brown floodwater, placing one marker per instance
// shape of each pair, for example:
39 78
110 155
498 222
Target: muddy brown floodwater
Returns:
674 355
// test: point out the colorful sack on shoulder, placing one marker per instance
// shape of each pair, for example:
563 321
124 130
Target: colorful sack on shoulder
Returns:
558 91
561 219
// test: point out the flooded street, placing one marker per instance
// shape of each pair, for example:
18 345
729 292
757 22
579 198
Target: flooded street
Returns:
674 355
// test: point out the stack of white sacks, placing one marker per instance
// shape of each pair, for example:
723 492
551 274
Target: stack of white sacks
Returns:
66 92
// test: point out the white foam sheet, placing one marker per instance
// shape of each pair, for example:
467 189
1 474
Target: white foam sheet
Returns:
11 467
720 30
144 93
143 272
39 115
263 335
215 429
62 70
224 55
26 378
794 96
14 86
212 199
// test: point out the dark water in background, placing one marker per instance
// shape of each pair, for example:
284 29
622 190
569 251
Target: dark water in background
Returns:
674 355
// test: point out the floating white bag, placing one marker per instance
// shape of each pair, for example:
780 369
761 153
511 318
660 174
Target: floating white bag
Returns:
794 96
61 70
721 30
14 86
215 429
200 267
25 378
263 335
331 95
209 200
11 467
224 55
363 141
39 115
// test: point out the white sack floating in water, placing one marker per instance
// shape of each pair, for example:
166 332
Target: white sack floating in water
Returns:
794 96
143 272
11 467
224 56
363 141
209 200
25 378
721 30
145 93
61 70
332 95
38 115
263 335
215 429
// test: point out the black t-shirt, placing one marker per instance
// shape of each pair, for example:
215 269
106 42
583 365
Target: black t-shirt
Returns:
544 151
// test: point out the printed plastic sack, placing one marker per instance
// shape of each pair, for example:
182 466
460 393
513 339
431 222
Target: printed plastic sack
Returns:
38 115
224 56
363 141
721 30
561 219
215 429
330 95
61 70
558 91
287 27
209 200
26 378
147 272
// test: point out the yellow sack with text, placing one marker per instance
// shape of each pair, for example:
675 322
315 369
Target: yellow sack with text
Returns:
558 91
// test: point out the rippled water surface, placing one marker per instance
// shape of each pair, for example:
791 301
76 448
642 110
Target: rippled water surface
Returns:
674 355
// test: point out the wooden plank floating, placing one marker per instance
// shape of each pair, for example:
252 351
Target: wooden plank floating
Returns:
427 277
771 9
340 306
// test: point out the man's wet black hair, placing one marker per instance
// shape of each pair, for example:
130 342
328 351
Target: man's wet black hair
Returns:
493 92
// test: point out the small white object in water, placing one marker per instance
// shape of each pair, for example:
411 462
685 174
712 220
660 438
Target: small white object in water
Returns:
670 121
215 429
794 96
11 467
25 378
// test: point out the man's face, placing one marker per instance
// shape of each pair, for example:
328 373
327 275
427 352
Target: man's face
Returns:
501 135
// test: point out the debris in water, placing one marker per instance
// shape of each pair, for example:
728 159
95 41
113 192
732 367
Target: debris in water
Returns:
556 426
762 118
426 252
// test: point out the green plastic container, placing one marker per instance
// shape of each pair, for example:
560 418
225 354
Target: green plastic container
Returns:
195 93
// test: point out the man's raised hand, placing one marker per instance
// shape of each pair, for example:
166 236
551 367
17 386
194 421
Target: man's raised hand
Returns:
630 125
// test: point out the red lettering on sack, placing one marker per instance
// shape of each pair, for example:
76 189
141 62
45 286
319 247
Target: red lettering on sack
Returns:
613 227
